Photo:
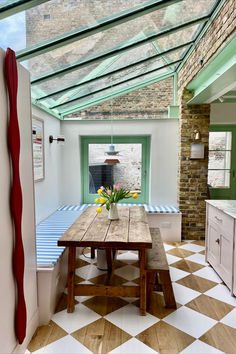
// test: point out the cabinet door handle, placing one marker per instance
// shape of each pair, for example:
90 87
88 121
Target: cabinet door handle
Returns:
218 241
218 219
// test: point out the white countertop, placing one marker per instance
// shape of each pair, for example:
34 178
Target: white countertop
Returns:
227 206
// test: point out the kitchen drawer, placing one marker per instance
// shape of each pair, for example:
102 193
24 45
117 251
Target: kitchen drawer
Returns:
224 221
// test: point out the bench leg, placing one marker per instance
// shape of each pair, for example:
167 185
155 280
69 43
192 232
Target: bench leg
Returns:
151 276
143 273
92 252
167 289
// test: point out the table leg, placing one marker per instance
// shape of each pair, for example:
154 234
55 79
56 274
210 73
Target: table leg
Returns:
71 279
143 281
109 260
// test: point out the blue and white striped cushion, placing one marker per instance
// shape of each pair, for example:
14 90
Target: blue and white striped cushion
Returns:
162 209
47 234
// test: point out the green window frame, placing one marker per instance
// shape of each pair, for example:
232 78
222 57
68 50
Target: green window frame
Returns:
129 139
230 192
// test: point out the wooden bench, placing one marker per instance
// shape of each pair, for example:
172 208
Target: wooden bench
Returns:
158 275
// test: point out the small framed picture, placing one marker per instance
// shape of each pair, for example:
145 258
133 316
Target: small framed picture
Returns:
197 151
38 148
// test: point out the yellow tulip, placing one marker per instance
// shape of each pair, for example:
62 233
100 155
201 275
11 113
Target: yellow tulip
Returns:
129 194
99 191
102 200
135 195
96 200
99 210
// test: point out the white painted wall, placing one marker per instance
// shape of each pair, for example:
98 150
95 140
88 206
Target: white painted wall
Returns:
164 156
47 192
8 342
223 113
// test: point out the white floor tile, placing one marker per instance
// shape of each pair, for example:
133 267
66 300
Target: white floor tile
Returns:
183 295
168 247
128 272
128 257
197 258
177 274
230 319
222 293
208 273
88 272
172 259
190 321
70 322
65 345
128 319
132 346
192 247
87 257
199 347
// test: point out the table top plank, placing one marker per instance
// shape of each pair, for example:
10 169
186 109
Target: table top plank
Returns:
80 226
138 214
139 232
97 231
119 229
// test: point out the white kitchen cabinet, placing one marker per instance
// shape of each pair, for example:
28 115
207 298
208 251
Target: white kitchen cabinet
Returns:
220 241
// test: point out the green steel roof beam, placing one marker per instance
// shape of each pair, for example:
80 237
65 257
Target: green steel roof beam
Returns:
117 93
99 26
156 56
116 84
115 51
12 7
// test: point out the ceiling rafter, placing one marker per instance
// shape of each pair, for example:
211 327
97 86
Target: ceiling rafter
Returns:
13 7
129 66
117 93
115 51
116 84
99 26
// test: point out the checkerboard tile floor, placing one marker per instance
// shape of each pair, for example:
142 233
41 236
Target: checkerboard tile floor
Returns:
204 321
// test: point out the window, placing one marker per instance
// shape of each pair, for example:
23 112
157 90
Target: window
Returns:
125 161
222 164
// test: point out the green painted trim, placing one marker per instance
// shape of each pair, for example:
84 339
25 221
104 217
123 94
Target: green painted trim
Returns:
13 7
115 51
202 31
173 112
175 89
119 120
116 94
129 66
226 193
99 26
38 105
145 177
115 84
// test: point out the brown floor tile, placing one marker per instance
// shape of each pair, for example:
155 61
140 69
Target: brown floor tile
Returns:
221 337
104 305
187 266
180 252
197 283
81 263
156 307
62 303
210 307
203 252
176 244
103 279
165 338
78 279
101 336
199 242
45 335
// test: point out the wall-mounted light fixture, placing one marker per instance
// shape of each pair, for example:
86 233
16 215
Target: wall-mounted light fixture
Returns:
60 139
197 135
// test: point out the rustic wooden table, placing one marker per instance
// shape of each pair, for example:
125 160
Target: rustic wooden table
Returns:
130 232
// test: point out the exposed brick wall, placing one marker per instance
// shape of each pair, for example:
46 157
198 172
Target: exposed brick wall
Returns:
148 102
218 34
192 176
